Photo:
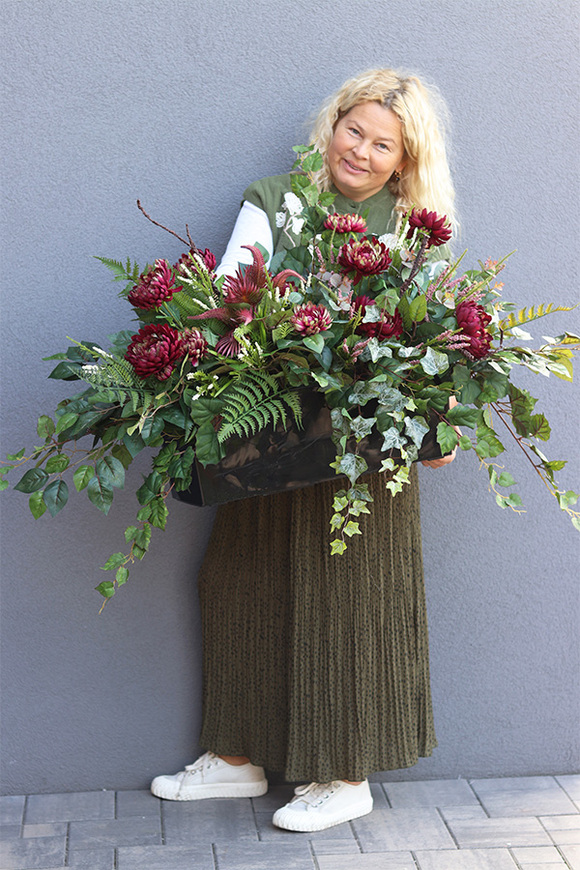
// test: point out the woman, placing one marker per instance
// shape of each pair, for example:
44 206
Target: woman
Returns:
317 665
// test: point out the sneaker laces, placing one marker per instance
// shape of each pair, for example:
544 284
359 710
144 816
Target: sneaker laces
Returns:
315 793
203 762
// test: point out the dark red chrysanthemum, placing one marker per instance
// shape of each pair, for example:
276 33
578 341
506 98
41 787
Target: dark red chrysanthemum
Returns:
345 223
365 257
194 345
309 319
155 287
389 326
188 260
154 351
472 320
436 228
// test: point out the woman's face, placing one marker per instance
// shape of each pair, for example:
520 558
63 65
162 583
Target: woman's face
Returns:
365 150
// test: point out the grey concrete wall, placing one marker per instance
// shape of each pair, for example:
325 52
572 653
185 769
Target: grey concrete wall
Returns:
182 104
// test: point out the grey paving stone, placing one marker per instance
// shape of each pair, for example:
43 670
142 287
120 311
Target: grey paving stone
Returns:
10 832
193 822
137 803
165 858
564 830
43 808
467 859
58 829
572 856
401 830
114 832
392 861
38 854
522 796
334 847
537 855
454 814
265 856
499 832
380 801
11 809
92 859
571 785
436 793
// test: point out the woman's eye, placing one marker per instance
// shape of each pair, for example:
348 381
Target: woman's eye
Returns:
382 147
354 131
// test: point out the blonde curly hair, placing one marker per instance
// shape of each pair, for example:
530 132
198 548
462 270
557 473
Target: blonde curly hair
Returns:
425 181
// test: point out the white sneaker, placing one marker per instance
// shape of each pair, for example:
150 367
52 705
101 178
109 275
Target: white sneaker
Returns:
211 777
322 805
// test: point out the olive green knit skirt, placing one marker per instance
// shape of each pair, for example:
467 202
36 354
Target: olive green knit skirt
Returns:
316 665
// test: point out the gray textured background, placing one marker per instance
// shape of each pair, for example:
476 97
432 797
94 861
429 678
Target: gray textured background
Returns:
182 105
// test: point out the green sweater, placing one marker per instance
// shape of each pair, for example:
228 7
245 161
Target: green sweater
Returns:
268 194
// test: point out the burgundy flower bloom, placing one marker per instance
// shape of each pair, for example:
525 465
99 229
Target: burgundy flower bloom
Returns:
472 320
388 326
155 287
190 262
365 257
309 319
154 350
345 223
194 344
436 229
247 286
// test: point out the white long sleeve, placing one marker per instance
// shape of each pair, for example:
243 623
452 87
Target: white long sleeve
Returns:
251 226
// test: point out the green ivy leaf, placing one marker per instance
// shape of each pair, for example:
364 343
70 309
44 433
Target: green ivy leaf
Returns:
350 464
130 533
82 476
65 422
336 521
352 528
418 308
207 446
58 463
462 416
45 427
36 504
150 488
337 547
106 589
314 342
447 438
488 444
100 493
159 513
33 480
121 575
465 442
55 496
505 479
143 537
114 561
434 362
110 470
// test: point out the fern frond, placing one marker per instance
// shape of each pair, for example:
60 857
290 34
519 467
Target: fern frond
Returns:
252 402
526 315
123 271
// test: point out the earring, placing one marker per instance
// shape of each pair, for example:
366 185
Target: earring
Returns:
396 176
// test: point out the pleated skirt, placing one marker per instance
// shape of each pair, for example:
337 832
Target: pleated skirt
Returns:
315 665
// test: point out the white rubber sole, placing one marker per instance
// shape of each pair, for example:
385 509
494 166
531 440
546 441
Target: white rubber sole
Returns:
210 790
305 822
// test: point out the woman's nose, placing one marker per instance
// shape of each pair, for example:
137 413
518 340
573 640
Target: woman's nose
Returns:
361 149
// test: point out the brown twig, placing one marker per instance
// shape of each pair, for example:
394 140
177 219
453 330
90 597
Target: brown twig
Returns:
149 218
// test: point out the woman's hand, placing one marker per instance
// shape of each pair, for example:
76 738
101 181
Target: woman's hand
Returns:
445 460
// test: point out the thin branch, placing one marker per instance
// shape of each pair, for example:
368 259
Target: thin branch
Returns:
149 218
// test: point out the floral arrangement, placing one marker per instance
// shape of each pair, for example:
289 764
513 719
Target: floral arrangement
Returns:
389 334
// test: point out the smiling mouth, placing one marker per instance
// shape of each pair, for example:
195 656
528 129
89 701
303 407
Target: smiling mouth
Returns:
353 167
